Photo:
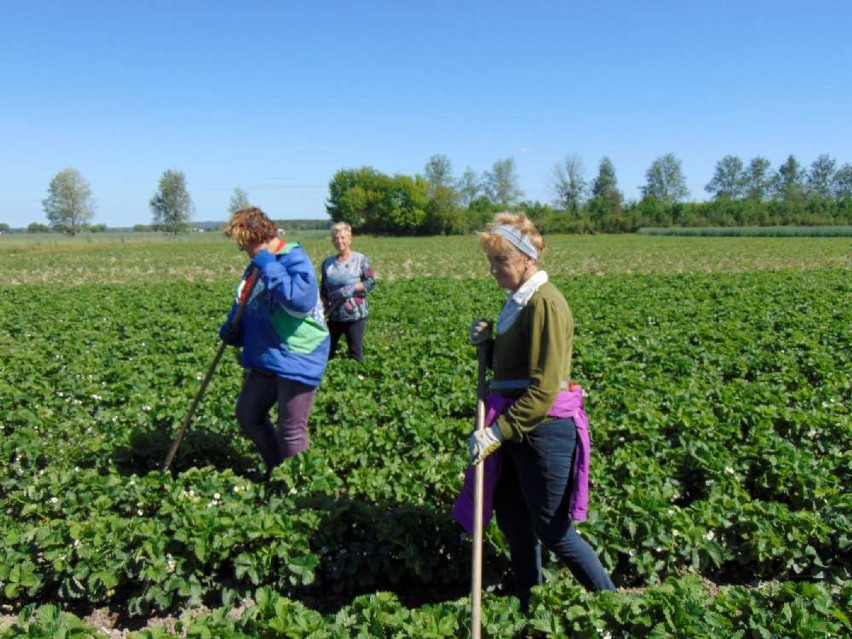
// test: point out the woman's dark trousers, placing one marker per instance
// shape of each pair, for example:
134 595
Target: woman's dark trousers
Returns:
354 334
531 502
260 392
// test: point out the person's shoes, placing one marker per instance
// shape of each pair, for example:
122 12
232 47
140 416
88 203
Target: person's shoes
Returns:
273 485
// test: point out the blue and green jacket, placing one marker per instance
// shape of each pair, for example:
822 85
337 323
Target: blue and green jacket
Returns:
282 329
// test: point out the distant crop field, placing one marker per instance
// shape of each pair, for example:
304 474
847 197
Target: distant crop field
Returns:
136 257
752 231
718 384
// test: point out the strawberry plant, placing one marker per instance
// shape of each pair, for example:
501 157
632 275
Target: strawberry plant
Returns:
718 393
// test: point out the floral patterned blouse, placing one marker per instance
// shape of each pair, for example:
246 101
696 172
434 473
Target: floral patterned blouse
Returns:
342 302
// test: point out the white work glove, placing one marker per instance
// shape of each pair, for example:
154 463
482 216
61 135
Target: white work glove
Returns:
481 330
484 442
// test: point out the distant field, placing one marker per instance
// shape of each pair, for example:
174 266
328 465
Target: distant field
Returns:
210 257
753 231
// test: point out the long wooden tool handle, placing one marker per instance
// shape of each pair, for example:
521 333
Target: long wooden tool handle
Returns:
245 294
478 489
195 402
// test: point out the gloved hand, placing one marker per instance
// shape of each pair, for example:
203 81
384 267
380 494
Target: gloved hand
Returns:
481 330
484 442
230 335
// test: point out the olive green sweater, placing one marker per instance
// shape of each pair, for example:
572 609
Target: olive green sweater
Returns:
537 347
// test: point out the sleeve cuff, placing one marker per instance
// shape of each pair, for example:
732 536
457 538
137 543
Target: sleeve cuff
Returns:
505 429
263 258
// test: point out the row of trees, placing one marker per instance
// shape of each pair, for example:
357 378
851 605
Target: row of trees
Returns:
732 180
750 194
70 205
432 203
437 202
745 195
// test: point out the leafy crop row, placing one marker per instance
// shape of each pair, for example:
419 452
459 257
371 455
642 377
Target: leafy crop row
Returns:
720 418
678 608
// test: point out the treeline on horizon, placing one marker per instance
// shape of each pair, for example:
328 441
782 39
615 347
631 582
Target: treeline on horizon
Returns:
743 195
438 203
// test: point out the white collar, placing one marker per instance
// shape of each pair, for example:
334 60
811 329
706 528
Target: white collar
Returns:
528 288
517 300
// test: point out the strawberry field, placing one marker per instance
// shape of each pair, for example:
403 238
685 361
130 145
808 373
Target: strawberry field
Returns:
719 388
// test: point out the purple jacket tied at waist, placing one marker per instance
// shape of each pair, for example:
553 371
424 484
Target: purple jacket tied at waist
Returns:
569 403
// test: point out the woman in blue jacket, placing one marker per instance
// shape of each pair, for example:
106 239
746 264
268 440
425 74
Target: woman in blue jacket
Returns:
282 333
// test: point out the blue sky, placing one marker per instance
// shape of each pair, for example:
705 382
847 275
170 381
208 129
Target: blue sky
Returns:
275 97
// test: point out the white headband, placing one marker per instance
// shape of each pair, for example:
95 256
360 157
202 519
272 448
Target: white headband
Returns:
517 239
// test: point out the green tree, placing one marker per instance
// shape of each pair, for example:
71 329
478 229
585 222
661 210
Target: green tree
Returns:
606 183
665 180
479 212
650 211
439 173
402 208
353 195
758 179
4 228
239 199
171 205
841 184
820 177
69 204
444 215
546 219
569 185
605 206
501 183
469 187
789 181
377 203
729 179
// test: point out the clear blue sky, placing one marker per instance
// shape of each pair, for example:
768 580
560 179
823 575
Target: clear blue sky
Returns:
275 97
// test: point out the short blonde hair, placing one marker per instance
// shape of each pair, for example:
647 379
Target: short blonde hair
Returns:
496 244
341 227
249 225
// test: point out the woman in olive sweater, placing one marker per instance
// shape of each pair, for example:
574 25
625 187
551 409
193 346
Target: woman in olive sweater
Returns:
536 496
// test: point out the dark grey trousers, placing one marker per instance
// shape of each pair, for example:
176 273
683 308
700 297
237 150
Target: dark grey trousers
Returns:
289 436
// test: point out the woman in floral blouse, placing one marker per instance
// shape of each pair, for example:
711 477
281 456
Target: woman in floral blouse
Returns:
346 279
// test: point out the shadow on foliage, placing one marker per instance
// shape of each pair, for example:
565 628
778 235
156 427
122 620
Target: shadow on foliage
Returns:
200 447
420 554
